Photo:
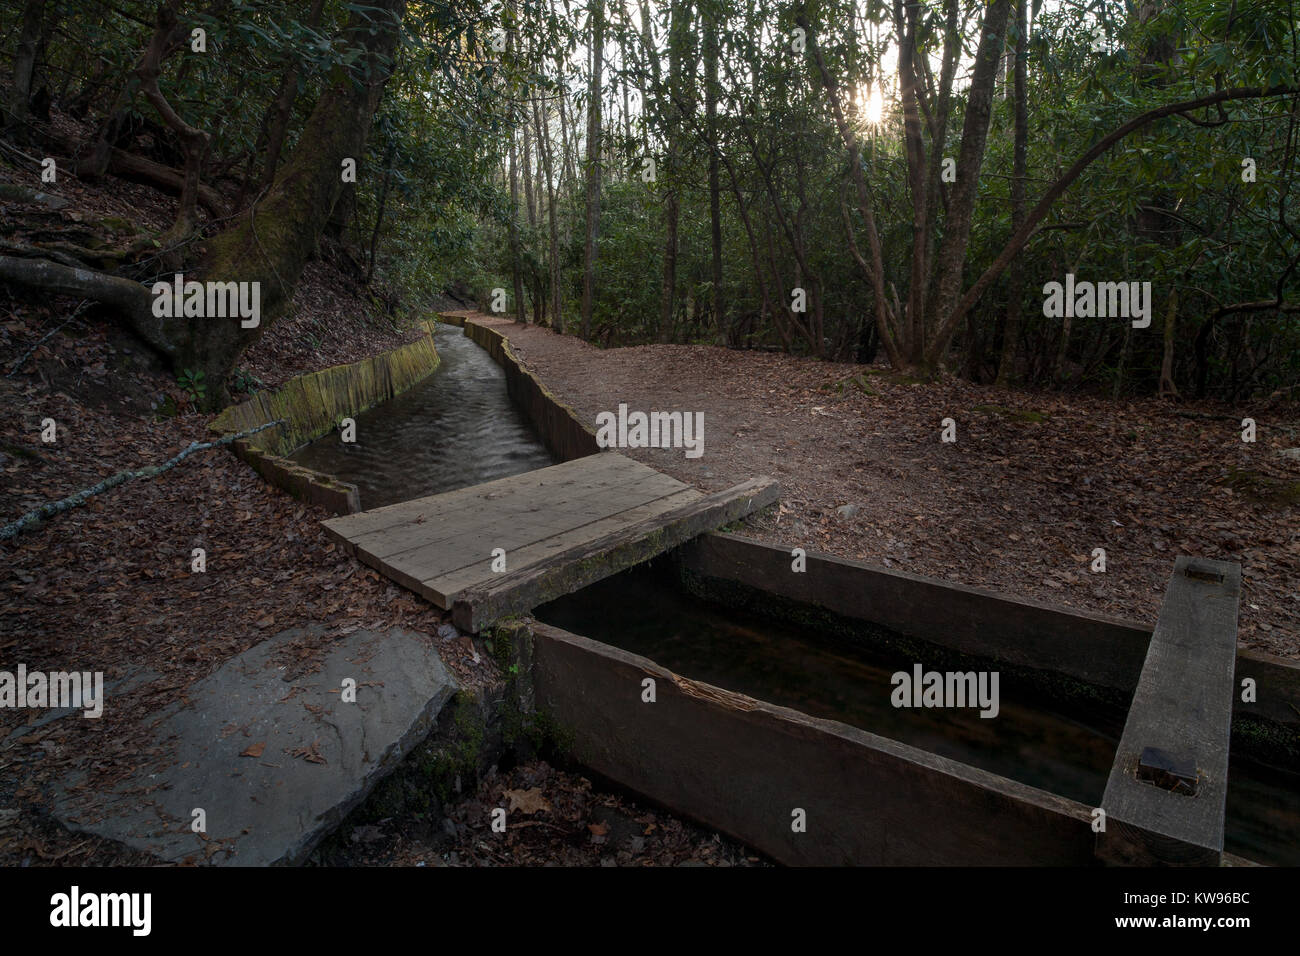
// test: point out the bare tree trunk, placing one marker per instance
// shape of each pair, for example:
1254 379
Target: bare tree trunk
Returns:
282 109
1167 386
169 36
914 320
951 257
569 173
20 93
625 84
590 247
548 167
516 263
389 155
711 123
678 37
529 199
1019 173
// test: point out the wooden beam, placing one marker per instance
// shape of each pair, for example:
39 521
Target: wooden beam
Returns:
1168 787
1095 648
744 767
592 560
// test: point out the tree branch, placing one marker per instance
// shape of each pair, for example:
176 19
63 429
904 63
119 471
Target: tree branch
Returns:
943 337
129 298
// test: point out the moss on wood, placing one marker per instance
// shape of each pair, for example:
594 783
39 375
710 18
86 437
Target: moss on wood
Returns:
314 404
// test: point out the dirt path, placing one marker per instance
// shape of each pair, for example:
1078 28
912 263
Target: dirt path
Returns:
1017 504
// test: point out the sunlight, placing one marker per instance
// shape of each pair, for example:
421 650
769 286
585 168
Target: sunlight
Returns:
871 101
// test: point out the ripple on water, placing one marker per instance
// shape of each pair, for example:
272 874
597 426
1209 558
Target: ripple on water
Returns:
456 428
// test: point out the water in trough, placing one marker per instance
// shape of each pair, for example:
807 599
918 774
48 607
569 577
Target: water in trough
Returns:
1064 750
456 428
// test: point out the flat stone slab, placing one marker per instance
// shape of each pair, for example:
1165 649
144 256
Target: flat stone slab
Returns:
273 757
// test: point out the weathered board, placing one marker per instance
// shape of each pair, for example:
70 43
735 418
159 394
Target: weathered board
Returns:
596 511
1179 727
1095 648
573 560
753 769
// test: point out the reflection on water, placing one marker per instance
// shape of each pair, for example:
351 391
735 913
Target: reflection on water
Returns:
642 611
456 428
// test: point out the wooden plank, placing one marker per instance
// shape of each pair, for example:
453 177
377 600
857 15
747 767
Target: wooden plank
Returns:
596 512
1179 728
351 527
743 767
422 519
451 586
1098 649
591 561
513 531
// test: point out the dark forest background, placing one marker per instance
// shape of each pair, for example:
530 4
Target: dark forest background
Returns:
671 172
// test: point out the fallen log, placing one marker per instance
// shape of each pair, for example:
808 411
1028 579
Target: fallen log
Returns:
130 166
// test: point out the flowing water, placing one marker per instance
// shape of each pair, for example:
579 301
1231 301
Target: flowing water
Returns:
1030 740
456 428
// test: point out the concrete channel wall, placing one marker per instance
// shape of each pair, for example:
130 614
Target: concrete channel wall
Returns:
312 405
563 433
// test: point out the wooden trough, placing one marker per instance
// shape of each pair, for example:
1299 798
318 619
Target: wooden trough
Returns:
754 770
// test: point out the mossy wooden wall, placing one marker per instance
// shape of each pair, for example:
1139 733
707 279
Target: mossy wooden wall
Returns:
311 406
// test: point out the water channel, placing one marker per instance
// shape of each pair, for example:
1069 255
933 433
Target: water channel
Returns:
456 428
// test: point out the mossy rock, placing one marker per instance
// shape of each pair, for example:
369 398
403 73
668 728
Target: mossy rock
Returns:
858 381
1266 489
1012 414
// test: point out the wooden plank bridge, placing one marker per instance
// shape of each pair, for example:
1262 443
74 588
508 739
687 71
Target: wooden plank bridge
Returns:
560 528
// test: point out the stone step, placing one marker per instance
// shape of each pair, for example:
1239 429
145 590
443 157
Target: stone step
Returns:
273 757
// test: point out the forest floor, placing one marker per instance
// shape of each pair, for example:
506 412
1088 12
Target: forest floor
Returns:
1032 485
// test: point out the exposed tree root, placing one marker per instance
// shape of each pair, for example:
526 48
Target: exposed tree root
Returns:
13 529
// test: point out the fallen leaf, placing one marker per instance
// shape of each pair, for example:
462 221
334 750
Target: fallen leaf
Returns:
311 754
254 750
528 801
